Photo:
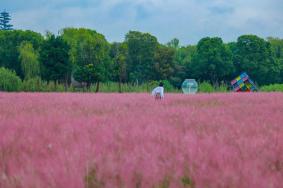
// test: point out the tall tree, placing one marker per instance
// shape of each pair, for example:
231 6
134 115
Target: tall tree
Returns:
174 43
9 45
29 60
277 53
164 63
254 56
182 60
141 49
92 61
90 54
119 54
212 61
56 65
5 19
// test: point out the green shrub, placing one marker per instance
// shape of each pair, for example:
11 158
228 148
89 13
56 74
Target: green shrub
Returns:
206 87
272 88
112 87
32 85
168 87
9 81
37 85
108 87
223 88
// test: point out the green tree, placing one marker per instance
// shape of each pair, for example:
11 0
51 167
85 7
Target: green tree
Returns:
5 19
56 65
141 52
29 60
212 61
90 55
184 55
277 53
74 37
119 54
9 45
174 43
164 63
254 56
182 60
85 73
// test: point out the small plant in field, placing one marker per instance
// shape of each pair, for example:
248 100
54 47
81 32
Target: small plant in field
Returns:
206 87
222 88
188 182
165 183
91 180
138 180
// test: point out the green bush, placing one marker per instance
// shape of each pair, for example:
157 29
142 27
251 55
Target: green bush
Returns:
32 85
272 88
9 81
52 87
168 87
206 87
37 85
112 87
223 88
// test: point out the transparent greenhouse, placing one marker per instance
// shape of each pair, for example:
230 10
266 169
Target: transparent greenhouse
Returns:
190 86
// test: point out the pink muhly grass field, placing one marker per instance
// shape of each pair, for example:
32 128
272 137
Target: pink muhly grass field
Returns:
132 141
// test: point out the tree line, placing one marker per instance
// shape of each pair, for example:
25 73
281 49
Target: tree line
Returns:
86 56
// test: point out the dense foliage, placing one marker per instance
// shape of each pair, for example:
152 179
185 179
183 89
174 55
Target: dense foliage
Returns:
86 56
29 60
56 65
9 47
212 61
9 81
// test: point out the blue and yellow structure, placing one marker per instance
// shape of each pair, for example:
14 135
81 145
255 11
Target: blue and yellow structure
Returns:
243 83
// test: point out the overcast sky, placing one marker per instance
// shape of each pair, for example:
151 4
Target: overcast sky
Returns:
188 20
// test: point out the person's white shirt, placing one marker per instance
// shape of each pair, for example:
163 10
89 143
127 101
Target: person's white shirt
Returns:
158 90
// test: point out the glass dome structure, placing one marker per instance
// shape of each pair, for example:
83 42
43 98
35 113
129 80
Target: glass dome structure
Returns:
190 86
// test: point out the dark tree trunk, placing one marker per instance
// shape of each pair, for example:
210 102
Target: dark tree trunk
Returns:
56 82
97 87
88 86
120 87
66 83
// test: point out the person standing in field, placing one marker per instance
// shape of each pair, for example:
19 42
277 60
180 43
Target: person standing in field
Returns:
158 92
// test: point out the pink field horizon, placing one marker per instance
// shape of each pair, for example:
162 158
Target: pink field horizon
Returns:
132 141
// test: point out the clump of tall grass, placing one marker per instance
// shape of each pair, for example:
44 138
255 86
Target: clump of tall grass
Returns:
272 88
113 87
9 81
206 87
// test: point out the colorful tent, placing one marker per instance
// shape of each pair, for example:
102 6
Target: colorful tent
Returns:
243 83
